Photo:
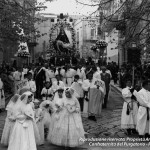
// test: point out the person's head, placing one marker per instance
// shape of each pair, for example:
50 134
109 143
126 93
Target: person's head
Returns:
69 92
25 76
90 76
103 69
122 70
128 83
146 84
60 92
27 97
47 84
29 75
76 78
94 68
58 77
36 103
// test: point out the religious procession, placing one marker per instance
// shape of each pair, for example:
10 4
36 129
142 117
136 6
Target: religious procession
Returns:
68 80
48 103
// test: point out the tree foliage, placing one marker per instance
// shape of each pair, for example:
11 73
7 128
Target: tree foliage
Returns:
16 15
131 17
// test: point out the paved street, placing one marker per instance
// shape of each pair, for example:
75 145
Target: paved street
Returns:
106 127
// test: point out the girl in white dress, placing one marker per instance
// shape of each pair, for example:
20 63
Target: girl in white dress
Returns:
9 121
58 103
47 91
23 136
39 120
69 129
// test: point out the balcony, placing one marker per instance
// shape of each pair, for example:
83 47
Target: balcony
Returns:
92 39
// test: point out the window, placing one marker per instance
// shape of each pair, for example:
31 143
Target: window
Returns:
92 32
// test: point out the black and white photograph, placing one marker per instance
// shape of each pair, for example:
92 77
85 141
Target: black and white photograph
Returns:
74 74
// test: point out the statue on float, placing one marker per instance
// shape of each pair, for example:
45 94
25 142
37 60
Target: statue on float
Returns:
62 43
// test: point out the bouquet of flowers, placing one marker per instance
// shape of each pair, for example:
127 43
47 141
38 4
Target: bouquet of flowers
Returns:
101 44
70 108
98 83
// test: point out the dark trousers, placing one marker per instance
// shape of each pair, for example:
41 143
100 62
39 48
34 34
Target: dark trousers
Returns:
81 100
106 99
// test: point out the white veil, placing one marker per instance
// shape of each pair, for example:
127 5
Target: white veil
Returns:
21 103
12 102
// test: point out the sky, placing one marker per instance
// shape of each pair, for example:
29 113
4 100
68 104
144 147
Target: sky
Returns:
68 6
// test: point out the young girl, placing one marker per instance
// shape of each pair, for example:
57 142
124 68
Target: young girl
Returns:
69 128
39 119
23 136
9 121
46 107
58 103
47 92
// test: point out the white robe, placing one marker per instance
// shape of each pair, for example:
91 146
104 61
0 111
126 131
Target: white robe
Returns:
55 85
129 121
31 86
68 77
143 125
96 75
81 74
51 75
46 92
77 86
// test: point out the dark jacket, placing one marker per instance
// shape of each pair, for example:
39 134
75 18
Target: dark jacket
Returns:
106 78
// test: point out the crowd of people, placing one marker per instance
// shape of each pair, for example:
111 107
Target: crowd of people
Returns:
48 102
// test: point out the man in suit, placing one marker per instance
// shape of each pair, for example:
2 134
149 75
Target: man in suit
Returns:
106 78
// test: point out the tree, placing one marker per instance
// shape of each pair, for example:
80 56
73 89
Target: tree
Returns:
16 15
131 16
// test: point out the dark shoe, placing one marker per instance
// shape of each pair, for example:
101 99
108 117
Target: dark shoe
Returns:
134 131
103 106
90 117
129 131
147 135
141 136
93 118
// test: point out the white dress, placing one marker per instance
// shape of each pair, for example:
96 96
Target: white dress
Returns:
69 128
46 114
40 123
58 104
23 136
10 120
8 127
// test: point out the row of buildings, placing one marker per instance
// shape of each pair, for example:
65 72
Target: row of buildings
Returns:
88 29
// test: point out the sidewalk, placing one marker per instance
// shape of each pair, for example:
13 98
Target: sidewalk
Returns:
116 86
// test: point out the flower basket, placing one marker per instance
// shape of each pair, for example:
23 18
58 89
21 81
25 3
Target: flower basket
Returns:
23 54
94 48
101 44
